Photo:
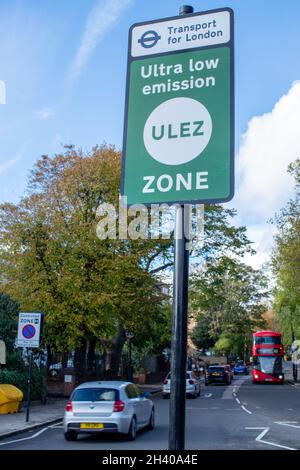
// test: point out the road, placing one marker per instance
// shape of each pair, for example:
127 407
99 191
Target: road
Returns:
240 416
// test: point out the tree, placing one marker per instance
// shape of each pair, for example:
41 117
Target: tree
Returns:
9 314
224 345
228 296
91 290
286 262
52 260
9 311
200 334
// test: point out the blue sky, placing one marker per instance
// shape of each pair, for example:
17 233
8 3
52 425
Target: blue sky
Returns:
64 66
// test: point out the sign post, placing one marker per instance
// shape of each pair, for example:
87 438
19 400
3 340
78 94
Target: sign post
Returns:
178 145
29 335
29 383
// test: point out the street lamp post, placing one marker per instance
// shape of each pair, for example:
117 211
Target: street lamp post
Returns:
129 336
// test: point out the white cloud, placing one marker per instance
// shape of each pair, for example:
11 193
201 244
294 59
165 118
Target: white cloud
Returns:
45 113
2 92
101 19
262 238
271 142
6 165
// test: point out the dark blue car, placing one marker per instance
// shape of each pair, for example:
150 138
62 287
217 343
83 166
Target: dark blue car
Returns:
240 368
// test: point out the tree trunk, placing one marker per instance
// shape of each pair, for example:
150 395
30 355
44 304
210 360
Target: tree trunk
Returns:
116 352
91 356
80 360
64 359
49 357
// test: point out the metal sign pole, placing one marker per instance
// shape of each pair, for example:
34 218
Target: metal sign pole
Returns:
29 384
179 331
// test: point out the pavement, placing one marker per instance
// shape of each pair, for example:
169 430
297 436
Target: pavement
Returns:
288 374
40 415
47 414
242 416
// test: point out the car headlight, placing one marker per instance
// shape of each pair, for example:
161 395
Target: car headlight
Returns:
256 376
280 377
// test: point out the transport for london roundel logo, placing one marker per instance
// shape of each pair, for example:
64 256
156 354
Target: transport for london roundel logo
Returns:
177 131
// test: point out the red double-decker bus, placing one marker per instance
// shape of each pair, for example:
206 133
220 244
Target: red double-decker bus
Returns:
268 357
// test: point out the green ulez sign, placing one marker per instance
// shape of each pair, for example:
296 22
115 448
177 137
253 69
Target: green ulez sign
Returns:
178 135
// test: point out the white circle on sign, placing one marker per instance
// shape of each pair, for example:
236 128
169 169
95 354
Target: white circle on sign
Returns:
177 131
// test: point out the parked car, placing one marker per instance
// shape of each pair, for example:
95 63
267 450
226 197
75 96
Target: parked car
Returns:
193 387
107 406
219 374
240 368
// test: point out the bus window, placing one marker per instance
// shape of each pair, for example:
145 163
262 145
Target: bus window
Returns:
267 339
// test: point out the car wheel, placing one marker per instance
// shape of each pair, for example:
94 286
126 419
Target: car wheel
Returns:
199 393
71 435
166 395
131 435
151 420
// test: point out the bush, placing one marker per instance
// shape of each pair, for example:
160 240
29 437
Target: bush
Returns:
15 362
19 380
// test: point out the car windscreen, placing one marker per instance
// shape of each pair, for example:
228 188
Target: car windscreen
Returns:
216 369
187 376
239 364
95 394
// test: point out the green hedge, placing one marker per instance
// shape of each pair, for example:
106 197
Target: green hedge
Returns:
19 379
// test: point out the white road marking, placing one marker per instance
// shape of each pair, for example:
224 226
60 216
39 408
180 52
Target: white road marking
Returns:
238 401
291 424
208 395
26 438
53 426
263 433
227 394
247 411
232 391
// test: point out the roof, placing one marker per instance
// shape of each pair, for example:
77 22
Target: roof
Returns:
105 383
267 333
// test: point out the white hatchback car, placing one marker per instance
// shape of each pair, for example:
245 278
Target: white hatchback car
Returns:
193 387
107 406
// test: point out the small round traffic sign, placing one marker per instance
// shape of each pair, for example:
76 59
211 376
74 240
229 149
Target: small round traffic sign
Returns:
28 331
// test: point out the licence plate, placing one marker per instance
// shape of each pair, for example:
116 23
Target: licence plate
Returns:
216 374
91 426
